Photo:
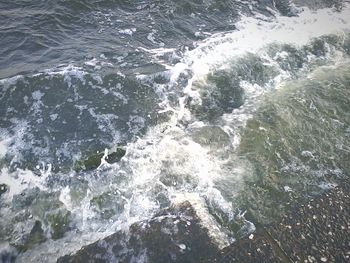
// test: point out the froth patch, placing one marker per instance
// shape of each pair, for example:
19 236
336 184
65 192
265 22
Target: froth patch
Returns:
254 34
3 148
214 229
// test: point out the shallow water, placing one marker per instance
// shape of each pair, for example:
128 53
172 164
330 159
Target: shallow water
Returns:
232 106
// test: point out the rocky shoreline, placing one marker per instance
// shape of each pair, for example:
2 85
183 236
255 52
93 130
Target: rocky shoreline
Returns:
313 231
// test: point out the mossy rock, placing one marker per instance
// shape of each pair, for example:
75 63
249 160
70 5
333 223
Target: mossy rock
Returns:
116 155
59 223
211 136
108 204
94 161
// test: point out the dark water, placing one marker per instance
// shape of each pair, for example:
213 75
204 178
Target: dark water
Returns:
232 105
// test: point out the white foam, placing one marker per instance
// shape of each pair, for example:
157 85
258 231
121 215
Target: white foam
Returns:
171 151
6 83
215 231
127 31
254 34
13 142
3 147
20 180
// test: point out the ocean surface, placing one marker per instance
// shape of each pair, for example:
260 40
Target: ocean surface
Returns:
231 105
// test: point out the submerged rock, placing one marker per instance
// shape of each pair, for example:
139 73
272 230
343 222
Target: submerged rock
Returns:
213 137
222 91
221 94
59 223
108 204
307 231
35 237
3 189
175 235
93 161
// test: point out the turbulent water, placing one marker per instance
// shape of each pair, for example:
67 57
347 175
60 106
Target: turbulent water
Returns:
231 105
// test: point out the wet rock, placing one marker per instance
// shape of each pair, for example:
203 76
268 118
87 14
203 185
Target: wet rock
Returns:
7 253
108 204
253 248
317 4
3 189
317 230
47 208
222 91
313 231
175 235
35 237
59 223
211 136
93 161
222 94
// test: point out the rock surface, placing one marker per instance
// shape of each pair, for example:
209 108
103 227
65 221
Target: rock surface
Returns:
175 235
315 231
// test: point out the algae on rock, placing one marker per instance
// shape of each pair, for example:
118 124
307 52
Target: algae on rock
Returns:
94 160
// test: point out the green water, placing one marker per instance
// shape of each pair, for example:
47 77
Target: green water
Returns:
298 141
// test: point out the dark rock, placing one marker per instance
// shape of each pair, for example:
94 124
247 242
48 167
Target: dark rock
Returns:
7 253
317 231
94 161
3 189
175 235
254 248
222 91
115 156
313 231
221 95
